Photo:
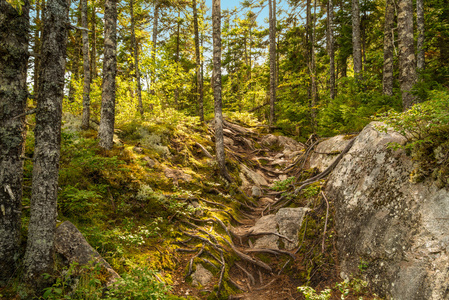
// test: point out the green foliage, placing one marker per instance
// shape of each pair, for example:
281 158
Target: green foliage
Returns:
426 128
282 185
311 294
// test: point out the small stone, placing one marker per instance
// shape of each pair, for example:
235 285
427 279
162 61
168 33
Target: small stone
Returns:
256 191
201 276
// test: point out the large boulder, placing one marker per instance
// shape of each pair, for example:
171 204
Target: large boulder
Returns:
327 151
71 244
397 232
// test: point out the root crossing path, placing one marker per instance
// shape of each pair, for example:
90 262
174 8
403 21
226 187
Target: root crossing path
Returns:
256 250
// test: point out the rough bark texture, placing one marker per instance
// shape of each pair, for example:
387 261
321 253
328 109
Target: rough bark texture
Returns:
330 49
272 29
13 96
387 79
93 53
37 44
219 141
407 59
420 63
199 78
314 87
177 56
41 229
136 58
106 129
86 68
153 50
356 38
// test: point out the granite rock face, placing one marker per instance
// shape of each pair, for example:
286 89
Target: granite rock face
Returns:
399 230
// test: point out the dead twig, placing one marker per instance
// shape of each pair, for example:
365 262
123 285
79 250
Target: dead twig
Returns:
325 223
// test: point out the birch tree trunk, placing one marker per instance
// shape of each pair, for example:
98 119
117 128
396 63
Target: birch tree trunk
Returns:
407 59
106 128
86 68
387 78
331 50
272 30
199 78
420 63
41 229
356 39
216 75
14 28
136 58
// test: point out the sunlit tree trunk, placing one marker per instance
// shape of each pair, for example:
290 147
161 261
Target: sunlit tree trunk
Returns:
330 45
387 79
37 42
216 80
177 57
314 88
106 128
86 68
41 229
93 53
14 28
356 39
420 63
407 59
75 62
136 58
199 78
153 50
272 30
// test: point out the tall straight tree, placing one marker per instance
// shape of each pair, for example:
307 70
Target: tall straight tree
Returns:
136 58
106 128
37 42
93 53
199 77
330 47
407 59
153 50
216 77
14 27
314 85
420 63
356 38
272 34
387 79
41 229
86 68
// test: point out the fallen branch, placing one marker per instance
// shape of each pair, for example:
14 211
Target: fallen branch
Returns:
265 286
325 223
271 251
204 150
251 233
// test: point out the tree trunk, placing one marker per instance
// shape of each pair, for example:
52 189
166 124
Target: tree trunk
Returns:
106 128
199 78
41 229
272 29
420 63
387 79
77 49
407 59
86 68
153 51
356 39
93 53
219 141
314 87
14 28
177 58
136 58
331 50
37 39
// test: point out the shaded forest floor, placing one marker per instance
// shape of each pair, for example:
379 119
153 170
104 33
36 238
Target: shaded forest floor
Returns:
155 207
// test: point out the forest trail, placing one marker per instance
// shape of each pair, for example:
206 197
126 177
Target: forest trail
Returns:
264 269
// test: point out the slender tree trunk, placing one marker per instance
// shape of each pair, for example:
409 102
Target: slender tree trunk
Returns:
407 59
136 58
331 50
387 79
177 58
199 78
41 229
356 39
14 28
420 63
86 68
272 61
106 128
313 70
37 41
153 51
93 53
75 68
309 47
219 141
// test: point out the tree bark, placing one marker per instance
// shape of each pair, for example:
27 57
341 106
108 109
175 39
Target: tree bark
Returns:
106 128
272 34
314 88
14 28
407 59
136 58
356 39
41 229
199 78
153 50
77 50
177 57
420 63
387 79
331 50
37 42
219 141
93 53
86 68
